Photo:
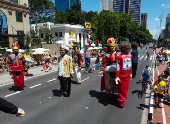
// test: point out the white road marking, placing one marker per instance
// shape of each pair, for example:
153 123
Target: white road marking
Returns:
86 107
35 86
82 69
141 57
138 56
52 80
27 78
145 58
85 79
163 112
49 97
13 94
151 58
39 102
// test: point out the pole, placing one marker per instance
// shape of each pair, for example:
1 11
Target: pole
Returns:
103 39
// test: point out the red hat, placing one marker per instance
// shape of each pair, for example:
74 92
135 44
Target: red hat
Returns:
15 46
74 44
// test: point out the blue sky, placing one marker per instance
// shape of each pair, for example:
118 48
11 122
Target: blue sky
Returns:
154 9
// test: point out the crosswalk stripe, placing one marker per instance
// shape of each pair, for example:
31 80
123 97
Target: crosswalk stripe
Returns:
141 57
145 58
151 58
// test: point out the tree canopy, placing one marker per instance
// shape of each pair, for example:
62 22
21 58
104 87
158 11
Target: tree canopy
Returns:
42 10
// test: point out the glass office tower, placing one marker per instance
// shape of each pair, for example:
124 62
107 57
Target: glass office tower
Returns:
63 5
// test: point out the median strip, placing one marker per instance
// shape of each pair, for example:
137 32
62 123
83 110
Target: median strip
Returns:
35 86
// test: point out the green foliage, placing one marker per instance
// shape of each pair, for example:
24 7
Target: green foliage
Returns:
36 40
168 41
119 26
20 39
27 40
48 37
43 10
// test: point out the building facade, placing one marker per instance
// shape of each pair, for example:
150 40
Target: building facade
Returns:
144 20
128 6
135 8
62 33
14 21
63 5
105 5
167 27
119 6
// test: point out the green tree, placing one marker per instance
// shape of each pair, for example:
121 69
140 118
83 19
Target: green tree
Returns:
43 10
90 15
48 37
27 40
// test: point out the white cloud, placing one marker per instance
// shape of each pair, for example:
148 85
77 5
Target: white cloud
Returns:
166 6
155 33
163 5
157 19
163 28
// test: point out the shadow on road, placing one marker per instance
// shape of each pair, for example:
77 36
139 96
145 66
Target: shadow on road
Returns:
167 103
56 92
142 106
14 89
103 98
29 75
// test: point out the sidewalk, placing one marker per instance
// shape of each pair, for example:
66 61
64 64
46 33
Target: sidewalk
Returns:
32 72
161 115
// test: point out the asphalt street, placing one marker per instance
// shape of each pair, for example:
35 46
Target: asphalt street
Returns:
87 105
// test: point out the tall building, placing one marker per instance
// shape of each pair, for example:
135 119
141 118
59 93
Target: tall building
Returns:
63 5
119 6
127 6
135 8
14 21
105 5
167 27
144 20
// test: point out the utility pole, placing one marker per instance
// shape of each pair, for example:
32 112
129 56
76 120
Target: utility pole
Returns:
103 39
160 23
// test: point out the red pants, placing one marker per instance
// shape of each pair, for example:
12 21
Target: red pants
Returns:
122 88
18 77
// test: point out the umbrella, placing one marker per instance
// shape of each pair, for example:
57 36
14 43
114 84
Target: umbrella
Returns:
41 49
164 51
168 52
92 44
10 50
29 60
26 56
38 52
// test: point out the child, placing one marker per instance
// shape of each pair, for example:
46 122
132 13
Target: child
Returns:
43 65
161 88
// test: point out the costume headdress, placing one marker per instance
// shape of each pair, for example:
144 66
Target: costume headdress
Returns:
87 44
74 44
15 46
111 42
64 47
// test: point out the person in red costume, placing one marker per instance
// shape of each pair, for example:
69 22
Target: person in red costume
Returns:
16 62
77 58
124 72
110 67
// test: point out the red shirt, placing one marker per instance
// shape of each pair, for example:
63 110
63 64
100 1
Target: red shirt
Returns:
124 68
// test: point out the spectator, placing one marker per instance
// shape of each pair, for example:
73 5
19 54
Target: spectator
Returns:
43 65
134 59
1 66
168 67
50 65
10 108
46 65
161 89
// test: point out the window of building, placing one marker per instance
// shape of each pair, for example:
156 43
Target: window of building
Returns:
14 1
18 17
42 35
3 23
60 34
56 34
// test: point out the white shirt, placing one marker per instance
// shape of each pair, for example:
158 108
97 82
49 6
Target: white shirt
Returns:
147 69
